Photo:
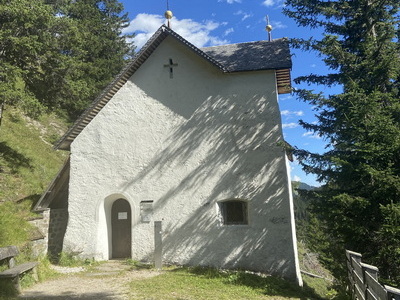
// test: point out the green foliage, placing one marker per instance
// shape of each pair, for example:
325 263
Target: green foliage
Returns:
300 200
92 51
44 269
357 206
24 38
59 55
388 238
137 265
67 259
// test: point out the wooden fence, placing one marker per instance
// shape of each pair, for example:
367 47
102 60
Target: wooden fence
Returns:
364 283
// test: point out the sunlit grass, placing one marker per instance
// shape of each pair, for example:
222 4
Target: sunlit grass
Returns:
27 160
207 283
27 165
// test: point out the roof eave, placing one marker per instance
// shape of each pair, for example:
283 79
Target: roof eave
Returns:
45 200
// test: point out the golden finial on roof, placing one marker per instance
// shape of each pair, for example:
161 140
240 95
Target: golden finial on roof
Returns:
168 15
268 28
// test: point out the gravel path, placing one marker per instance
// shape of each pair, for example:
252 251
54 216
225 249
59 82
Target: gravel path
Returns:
107 281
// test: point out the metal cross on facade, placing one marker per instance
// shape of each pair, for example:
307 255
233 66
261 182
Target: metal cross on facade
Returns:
171 66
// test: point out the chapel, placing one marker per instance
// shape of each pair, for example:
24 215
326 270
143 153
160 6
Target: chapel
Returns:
183 153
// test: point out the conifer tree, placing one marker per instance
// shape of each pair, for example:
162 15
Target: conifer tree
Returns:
92 51
25 40
358 206
59 54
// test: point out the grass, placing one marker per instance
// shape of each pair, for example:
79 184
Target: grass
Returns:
309 263
199 283
69 260
208 283
137 265
27 161
27 165
15 228
314 287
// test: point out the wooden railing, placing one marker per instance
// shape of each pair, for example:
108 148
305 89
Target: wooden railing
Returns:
364 283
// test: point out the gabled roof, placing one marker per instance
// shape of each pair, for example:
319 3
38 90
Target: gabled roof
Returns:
252 56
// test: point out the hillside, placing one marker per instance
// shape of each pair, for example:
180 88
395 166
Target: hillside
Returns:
300 203
27 159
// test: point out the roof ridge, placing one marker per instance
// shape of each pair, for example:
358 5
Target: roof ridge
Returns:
193 47
251 42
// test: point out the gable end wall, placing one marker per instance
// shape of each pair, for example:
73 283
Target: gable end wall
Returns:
186 143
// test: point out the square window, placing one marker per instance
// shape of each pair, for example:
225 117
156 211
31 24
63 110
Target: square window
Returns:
234 212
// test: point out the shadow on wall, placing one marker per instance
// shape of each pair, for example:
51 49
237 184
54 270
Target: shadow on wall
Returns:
234 139
242 144
255 247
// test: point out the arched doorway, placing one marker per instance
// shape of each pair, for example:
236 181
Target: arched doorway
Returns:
121 223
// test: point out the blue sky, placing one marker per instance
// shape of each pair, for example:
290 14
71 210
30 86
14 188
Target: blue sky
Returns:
216 22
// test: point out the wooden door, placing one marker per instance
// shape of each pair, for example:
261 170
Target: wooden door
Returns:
121 229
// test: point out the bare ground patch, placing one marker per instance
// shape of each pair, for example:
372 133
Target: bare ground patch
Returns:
107 281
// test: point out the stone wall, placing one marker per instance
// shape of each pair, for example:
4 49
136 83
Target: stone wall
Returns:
48 235
57 226
40 237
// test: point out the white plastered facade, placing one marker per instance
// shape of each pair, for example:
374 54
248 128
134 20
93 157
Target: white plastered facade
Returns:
186 143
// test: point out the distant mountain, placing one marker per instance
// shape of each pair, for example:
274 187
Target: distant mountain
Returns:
305 186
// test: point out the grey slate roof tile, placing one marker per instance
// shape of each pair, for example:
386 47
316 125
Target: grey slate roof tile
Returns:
252 56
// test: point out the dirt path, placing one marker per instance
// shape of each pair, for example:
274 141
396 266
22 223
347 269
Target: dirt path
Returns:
107 281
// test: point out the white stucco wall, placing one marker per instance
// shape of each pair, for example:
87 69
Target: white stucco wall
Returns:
187 143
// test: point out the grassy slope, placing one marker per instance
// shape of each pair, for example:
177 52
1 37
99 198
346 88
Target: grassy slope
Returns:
28 162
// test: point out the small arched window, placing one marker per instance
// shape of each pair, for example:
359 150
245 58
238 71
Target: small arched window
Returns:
233 212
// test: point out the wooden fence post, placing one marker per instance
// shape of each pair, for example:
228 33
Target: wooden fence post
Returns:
393 293
355 274
364 280
374 290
